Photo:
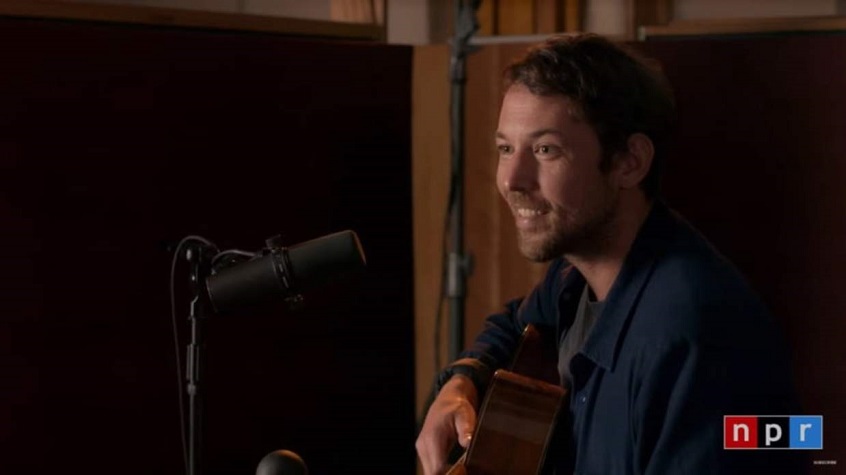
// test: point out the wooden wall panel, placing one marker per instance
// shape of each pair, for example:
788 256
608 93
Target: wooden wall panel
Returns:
430 170
549 16
482 217
539 17
515 17
574 15
486 14
651 12
641 13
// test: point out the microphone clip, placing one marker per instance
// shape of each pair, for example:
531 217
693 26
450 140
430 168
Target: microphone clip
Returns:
274 245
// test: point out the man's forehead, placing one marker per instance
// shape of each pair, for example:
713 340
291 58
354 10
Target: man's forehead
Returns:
536 133
520 97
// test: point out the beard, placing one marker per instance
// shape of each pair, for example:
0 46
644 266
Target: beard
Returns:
583 232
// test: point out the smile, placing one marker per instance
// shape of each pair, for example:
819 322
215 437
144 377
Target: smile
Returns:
528 212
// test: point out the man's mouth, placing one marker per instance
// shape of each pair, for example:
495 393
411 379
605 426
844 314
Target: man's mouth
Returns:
529 218
528 212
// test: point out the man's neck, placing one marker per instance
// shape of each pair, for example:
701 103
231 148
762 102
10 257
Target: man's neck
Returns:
600 270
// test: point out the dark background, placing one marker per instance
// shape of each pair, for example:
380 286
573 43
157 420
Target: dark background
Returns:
117 141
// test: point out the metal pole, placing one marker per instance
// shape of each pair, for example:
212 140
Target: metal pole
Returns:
200 258
458 265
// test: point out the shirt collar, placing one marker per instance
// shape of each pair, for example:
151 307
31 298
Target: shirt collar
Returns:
603 344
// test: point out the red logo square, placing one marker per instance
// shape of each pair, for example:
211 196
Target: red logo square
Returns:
740 432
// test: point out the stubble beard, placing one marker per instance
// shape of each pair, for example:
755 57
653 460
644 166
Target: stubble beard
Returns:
570 233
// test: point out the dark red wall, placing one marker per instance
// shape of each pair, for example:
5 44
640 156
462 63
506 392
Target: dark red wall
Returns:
117 141
760 168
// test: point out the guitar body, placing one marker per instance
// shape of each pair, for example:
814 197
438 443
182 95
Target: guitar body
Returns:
518 415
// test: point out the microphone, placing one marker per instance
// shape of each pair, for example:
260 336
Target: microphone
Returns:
282 462
285 272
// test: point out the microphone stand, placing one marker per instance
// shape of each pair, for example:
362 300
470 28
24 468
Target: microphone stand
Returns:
459 264
200 256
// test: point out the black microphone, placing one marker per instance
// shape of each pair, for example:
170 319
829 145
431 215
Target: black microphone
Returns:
285 272
282 462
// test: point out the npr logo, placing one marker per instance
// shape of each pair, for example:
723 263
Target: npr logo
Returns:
772 432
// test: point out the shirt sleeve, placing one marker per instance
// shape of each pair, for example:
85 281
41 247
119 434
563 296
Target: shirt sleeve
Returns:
496 344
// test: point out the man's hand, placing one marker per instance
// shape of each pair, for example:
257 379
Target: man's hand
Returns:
451 417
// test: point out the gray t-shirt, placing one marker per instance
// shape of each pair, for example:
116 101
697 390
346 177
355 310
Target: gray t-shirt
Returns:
574 338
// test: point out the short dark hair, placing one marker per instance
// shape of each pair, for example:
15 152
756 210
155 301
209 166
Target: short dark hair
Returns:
618 91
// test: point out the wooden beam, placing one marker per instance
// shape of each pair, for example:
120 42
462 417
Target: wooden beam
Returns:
358 11
187 18
368 12
736 26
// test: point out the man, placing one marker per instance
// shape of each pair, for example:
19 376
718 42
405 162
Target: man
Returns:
658 335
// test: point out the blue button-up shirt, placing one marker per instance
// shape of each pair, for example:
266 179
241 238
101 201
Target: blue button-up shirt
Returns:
682 341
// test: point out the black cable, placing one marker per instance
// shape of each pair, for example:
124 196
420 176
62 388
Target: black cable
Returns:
179 373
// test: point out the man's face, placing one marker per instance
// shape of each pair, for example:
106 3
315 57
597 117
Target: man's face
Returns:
549 175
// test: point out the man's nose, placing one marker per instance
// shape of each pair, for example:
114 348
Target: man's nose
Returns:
519 171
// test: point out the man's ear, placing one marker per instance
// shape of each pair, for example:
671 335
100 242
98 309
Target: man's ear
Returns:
633 164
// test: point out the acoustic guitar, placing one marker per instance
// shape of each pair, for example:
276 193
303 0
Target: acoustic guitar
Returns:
518 414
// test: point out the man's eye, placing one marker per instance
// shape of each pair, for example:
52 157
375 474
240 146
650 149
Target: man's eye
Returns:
504 148
546 149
